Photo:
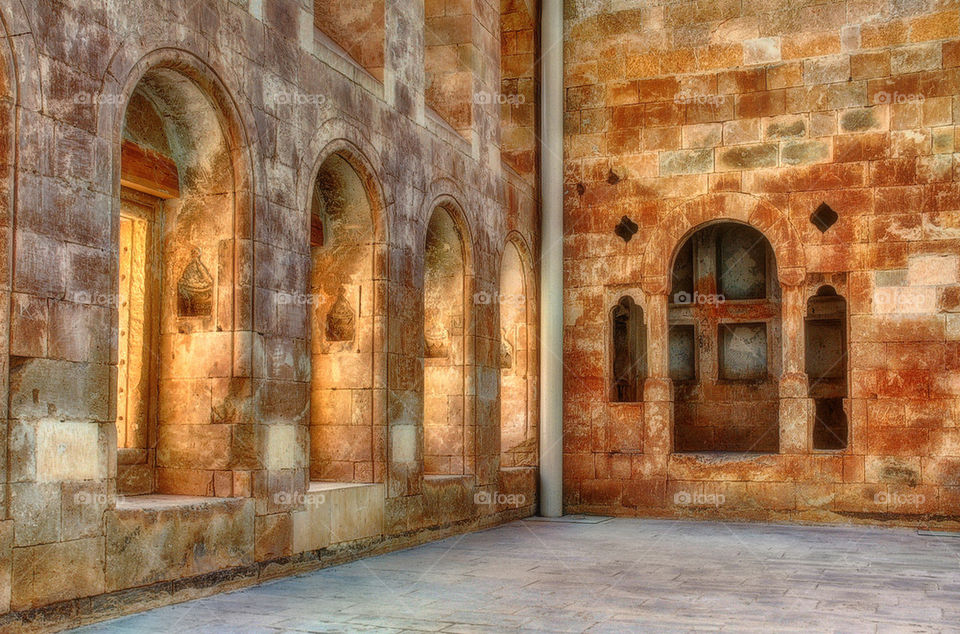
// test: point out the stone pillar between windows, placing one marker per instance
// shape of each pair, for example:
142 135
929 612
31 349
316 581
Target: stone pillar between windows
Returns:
796 408
658 388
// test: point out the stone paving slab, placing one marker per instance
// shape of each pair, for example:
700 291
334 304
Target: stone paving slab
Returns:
621 575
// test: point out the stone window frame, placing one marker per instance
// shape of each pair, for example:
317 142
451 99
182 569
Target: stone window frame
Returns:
838 282
613 294
708 319
664 241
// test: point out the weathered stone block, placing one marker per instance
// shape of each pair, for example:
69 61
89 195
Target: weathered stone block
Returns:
747 157
38 572
686 162
157 538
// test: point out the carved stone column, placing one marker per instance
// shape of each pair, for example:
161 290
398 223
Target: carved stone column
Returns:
796 408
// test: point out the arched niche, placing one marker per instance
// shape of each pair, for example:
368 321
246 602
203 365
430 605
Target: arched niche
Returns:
825 359
518 433
447 431
628 351
724 342
175 278
344 317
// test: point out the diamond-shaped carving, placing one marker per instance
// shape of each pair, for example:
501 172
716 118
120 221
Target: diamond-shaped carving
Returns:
824 217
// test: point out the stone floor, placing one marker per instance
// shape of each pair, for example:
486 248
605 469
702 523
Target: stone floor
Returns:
612 576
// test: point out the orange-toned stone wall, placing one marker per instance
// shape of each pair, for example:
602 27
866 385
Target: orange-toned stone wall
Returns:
685 113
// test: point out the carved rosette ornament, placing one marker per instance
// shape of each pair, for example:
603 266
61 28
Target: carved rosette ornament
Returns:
195 289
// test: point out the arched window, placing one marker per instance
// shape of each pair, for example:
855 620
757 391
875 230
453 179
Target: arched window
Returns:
724 317
447 436
628 352
826 366
518 437
175 283
341 325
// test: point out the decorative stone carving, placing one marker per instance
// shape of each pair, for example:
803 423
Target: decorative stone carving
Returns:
506 352
341 320
437 342
195 289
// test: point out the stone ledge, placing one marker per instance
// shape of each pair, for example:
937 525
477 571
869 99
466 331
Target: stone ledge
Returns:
440 479
442 129
163 502
336 513
316 486
333 55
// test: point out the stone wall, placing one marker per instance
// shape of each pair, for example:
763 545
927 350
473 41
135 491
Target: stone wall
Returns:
232 421
783 116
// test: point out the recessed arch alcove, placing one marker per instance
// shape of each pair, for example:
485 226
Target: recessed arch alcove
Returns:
724 341
346 316
518 427
182 183
665 243
448 426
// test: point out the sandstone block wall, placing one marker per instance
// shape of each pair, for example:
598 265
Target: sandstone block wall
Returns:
290 84
686 113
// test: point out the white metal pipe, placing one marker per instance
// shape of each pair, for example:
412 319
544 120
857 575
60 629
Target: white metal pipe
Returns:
551 260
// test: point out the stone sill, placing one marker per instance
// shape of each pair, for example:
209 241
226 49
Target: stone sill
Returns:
320 486
440 479
721 457
161 502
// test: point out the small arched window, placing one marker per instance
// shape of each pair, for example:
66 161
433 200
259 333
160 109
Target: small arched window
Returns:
826 366
628 352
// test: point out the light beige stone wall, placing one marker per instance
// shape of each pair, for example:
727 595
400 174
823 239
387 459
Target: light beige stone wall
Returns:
234 409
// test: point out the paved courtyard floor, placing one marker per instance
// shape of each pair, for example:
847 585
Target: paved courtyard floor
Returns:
619 575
